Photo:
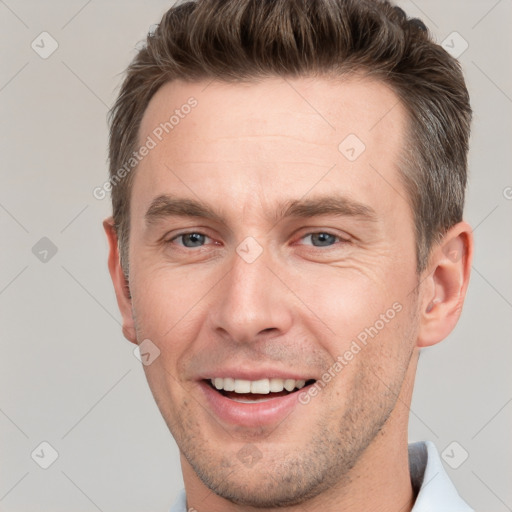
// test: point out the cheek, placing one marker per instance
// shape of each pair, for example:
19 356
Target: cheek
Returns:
344 300
367 321
170 307
164 297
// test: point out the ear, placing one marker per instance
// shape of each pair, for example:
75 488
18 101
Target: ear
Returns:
445 286
121 286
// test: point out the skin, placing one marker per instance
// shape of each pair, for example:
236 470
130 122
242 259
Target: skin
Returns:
243 151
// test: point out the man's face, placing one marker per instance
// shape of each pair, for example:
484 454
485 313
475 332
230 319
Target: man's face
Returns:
310 245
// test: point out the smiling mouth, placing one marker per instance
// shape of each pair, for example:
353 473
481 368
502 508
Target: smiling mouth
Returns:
263 390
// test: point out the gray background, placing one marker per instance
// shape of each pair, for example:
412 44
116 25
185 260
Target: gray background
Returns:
68 377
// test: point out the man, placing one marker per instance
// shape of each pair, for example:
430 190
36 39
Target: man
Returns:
288 184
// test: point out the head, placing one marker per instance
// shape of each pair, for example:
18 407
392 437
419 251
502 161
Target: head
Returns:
296 213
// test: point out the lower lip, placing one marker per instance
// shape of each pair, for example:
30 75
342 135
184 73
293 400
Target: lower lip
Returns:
272 411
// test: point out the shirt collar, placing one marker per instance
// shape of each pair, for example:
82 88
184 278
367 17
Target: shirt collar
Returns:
428 477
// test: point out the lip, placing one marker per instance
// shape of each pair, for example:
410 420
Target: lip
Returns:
271 412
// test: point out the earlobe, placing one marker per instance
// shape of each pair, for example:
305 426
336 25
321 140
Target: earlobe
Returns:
445 285
121 286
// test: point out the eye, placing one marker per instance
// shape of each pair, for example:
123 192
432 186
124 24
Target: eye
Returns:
322 239
190 240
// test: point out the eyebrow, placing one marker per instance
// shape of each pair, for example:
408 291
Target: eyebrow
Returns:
327 205
165 205
168 206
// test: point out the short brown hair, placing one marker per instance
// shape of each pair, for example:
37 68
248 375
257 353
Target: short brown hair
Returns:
243 40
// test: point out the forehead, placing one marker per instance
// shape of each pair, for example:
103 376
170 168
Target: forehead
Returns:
271 138
311 108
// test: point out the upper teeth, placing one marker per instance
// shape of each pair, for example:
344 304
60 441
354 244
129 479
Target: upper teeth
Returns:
262 386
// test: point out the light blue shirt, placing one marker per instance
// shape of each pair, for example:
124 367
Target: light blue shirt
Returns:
436 492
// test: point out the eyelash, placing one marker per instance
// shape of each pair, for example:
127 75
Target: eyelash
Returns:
185 234
340 240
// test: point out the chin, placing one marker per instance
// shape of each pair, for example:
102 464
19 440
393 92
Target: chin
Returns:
286 480
266 491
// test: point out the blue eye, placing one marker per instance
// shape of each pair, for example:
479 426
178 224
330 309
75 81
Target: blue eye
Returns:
191 240
322 239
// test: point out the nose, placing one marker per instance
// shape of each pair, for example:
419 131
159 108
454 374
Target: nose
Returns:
251 303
